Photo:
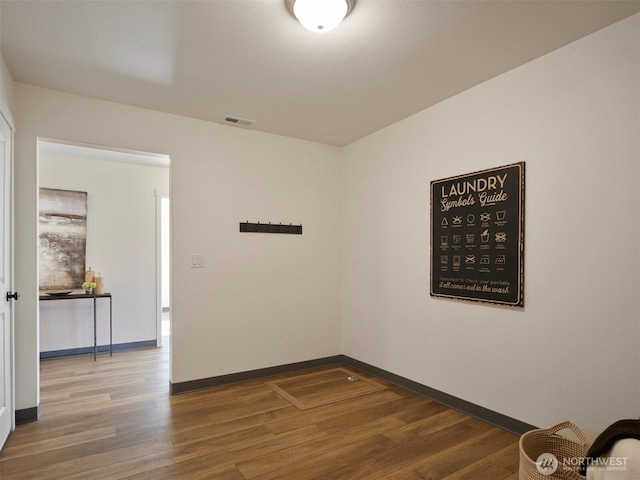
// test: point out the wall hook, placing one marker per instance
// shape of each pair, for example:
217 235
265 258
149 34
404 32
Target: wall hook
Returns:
270 228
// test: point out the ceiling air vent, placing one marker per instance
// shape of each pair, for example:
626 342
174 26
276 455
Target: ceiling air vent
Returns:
240 122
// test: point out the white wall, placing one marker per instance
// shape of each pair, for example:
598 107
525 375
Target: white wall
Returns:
121 245
6 87
573 351
262 300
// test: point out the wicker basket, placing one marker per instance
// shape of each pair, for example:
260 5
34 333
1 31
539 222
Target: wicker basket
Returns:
567 453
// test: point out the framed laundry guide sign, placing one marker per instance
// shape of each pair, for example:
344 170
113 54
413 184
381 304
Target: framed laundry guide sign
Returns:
477 236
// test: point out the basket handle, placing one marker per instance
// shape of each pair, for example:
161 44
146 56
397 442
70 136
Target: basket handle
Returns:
574 428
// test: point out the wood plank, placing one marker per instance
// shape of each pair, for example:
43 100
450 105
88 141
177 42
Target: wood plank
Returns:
398 456
34 448
323 387
323 465
508 457
83 458
114 419
480 470
457 456
276 463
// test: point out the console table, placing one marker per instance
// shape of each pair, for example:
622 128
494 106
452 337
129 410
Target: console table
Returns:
76 296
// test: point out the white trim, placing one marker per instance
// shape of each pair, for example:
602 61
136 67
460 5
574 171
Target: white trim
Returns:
12 326
158 269
6 114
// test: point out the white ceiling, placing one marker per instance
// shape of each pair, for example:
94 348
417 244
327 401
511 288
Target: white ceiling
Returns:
249 58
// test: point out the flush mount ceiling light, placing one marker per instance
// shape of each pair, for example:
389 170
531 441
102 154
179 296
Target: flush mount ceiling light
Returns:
320 15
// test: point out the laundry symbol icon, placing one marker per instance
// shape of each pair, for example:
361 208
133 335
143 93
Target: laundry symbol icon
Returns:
457 238
457 220
470 237
471 218
444 240
501 237
485 217
484 260
484 236
456 260
469 259
501 214
501 260
444 222
444 259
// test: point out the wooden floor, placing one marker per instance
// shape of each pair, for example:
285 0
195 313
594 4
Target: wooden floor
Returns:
114 419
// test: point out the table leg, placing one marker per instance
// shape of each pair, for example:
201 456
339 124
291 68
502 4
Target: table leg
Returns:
95 334
110 327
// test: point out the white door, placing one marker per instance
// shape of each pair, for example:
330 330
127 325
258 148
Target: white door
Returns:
6 304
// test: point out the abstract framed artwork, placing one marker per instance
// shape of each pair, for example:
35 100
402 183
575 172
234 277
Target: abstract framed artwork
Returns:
62 239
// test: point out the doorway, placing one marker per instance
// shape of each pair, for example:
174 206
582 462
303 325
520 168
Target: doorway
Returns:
122 189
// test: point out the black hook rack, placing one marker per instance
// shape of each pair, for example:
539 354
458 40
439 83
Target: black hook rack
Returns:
270 228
